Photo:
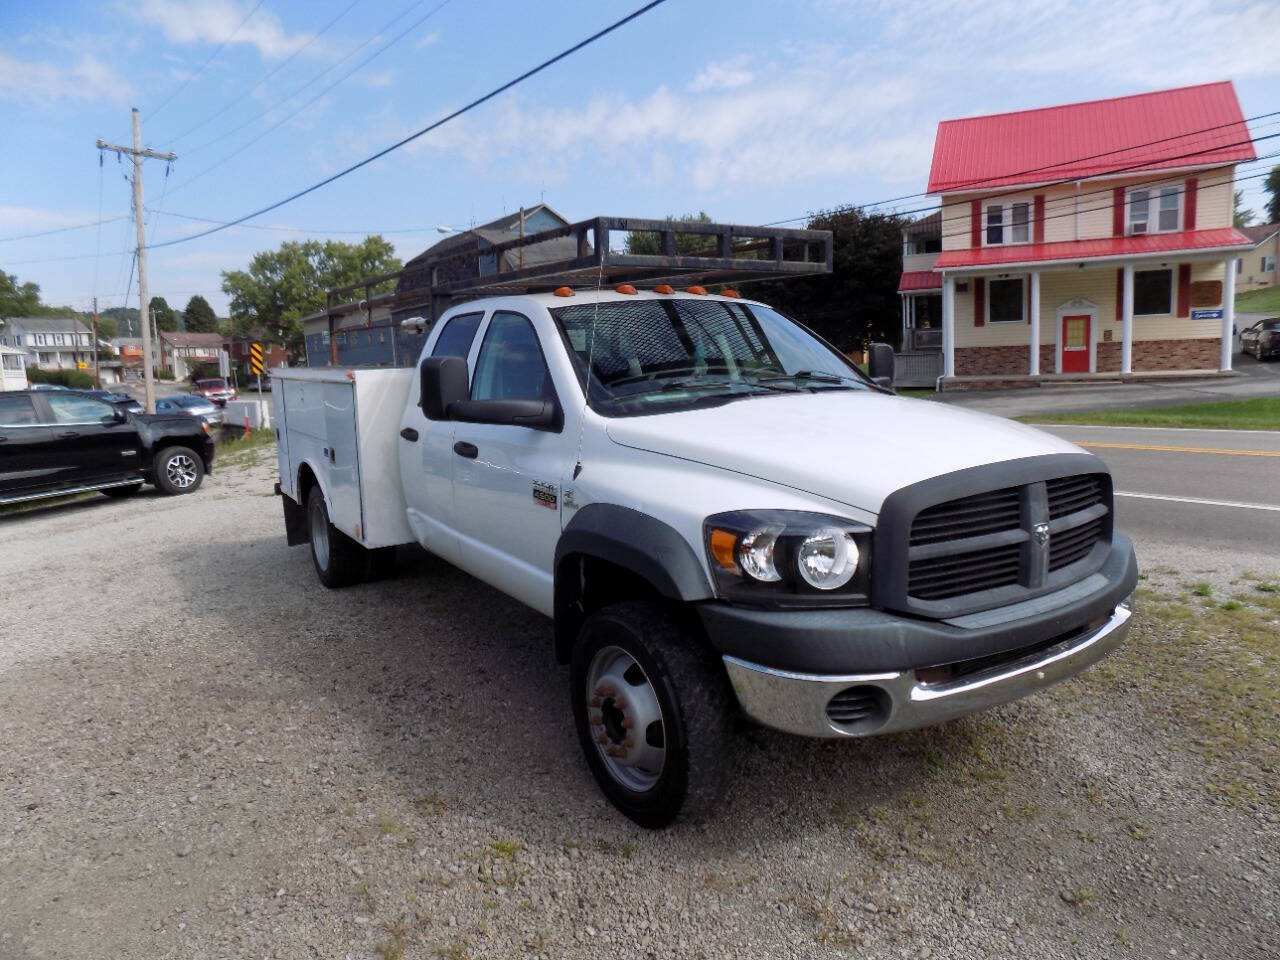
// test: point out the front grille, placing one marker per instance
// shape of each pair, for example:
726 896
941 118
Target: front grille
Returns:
967 517
1003 545
952 575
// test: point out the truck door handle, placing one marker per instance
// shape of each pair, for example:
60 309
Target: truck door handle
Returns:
464 449
67 435
409 433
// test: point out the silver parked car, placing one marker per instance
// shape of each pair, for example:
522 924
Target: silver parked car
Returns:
192 406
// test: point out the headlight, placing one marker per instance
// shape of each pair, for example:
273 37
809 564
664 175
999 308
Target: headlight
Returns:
789 558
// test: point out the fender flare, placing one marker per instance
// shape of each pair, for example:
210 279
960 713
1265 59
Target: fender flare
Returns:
637 542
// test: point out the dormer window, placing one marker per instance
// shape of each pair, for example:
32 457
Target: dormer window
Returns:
1007 223
1154 210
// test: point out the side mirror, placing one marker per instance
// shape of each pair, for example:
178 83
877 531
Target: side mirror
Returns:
535 414
119 415
442 381
881 364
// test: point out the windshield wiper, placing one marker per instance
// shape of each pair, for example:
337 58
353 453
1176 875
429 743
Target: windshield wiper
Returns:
811 376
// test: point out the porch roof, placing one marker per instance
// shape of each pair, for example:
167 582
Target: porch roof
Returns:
914 281
1225 239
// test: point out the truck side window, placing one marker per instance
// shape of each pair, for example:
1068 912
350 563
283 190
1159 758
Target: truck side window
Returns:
75 409
17 411
455 339
511 366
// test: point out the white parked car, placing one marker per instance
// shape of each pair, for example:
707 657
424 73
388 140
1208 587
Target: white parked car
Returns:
721 515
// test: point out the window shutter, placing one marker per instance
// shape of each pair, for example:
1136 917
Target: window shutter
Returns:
1117 212
975 224
1184 289
979 301
1189 202
1039 218
1119 294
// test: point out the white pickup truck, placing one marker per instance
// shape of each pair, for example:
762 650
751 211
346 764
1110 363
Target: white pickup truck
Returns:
721 515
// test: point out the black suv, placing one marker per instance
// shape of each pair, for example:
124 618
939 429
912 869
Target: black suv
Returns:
57 442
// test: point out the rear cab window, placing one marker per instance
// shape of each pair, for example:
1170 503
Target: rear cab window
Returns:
456 335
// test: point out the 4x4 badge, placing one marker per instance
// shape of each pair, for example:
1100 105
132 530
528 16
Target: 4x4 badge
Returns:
1041 531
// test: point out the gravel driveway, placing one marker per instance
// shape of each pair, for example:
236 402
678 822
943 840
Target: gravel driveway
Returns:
205 754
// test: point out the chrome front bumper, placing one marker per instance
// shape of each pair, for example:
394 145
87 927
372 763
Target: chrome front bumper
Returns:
899 700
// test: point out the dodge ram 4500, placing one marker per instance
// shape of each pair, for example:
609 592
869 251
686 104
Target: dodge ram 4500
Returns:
721 515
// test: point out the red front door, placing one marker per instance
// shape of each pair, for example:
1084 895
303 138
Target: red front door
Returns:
1075 344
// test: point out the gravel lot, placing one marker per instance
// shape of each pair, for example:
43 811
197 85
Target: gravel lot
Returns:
205 754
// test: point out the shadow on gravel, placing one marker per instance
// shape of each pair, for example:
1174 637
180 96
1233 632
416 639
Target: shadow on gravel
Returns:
70 506
456 693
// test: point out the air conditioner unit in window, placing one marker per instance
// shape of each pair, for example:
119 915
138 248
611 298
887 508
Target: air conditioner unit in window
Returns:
1140 227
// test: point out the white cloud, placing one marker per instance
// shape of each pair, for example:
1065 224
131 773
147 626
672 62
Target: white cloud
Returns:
87 78
428 40
211 22
723 75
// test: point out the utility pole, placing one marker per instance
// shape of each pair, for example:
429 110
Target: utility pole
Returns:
93 335
138 154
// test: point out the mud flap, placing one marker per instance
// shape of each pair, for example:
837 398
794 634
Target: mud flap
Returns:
295 522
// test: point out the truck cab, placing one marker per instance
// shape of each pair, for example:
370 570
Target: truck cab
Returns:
722 516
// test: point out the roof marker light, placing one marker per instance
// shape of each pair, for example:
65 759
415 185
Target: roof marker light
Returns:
664 288
731 293
624 288
696 291
564 291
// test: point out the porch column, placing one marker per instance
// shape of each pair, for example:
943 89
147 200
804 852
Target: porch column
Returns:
1228 313
905 308
948 325
1035 323
1126 331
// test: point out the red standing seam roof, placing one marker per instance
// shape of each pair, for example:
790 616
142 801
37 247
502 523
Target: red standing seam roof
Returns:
919 280
1050 143
1103 248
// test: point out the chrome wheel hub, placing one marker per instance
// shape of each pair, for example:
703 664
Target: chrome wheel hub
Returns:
319 536
181 471
626 719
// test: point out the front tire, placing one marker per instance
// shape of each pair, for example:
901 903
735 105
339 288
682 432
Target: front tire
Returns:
339 560
653 711
179 470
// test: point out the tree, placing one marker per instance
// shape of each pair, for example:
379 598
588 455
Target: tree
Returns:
1240 217
108 327
1272 186
651 243
857 301
283 286
165 319
200 316
126 320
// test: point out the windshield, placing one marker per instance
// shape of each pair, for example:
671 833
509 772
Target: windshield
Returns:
195 403
210 384
651 356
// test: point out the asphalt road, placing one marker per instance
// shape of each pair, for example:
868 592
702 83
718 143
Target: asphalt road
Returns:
1219 489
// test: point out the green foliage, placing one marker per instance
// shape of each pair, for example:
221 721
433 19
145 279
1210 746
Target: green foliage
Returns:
162 314
125 319
162 374
282 286
1272 186
651 243
858 300
23 300
1240 216
108 328
199 316
76 379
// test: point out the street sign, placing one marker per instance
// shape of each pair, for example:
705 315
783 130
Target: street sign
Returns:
1206 314
81 365
256 365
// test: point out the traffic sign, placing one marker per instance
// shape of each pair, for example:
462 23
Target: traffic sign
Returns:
256 364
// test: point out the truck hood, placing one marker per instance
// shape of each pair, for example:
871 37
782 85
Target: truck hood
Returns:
848 446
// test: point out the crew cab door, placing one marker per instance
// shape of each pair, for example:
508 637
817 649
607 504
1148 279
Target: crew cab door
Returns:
506 479
26 463
89 444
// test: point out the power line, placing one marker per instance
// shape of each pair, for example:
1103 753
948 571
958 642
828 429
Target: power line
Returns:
267 76
294 112
182 86
551 61
329 69
316 230
78 226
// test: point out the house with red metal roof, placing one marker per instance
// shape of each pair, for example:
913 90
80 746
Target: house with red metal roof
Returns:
1090 239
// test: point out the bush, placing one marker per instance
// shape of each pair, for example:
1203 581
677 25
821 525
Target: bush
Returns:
162 374
75 379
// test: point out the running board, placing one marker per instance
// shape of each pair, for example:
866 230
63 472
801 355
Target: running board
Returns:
71 491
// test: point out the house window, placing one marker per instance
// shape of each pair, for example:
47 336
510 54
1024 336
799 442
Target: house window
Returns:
1005 301
1268 264
1008 223
1155 211
1152 292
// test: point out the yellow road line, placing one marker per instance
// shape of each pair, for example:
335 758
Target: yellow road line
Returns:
1164 448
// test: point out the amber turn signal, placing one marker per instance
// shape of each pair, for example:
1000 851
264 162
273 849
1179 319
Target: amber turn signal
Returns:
722 545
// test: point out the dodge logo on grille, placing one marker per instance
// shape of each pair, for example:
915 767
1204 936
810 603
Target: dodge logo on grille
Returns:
1041 531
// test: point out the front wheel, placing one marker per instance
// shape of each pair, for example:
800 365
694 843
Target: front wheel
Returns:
653 711
178 470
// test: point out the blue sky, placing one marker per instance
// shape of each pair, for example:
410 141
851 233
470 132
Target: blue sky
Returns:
754 111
